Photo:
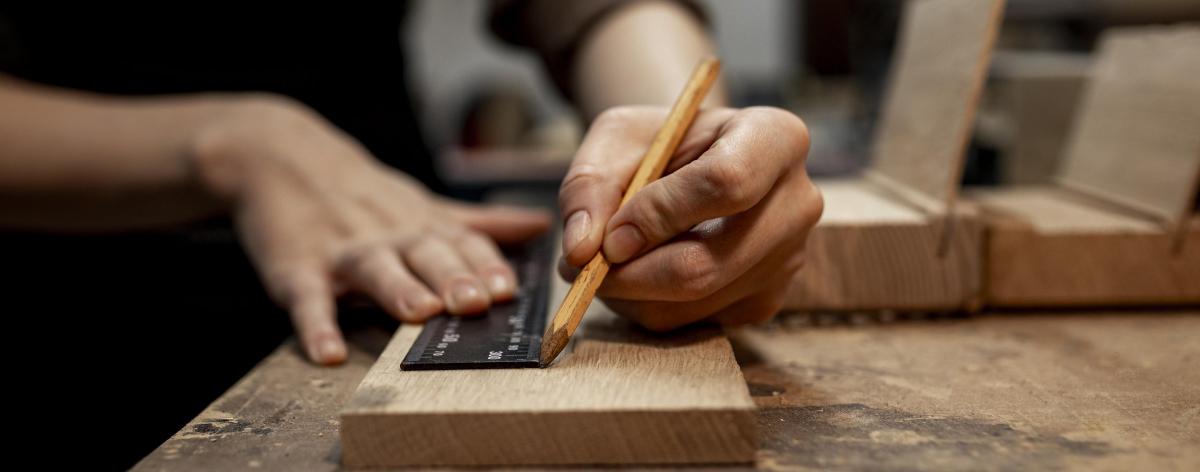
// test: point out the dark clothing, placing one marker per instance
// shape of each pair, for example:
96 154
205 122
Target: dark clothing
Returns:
345 63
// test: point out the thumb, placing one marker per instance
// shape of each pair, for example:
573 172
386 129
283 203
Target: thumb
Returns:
505 224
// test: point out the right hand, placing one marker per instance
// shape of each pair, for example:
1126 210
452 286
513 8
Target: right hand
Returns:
319 216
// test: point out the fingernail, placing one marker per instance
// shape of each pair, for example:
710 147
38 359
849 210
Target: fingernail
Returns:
623 243
427 305
463 297
499 285
330 351
578 226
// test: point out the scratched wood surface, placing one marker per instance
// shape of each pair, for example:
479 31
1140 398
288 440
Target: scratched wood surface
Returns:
1070 391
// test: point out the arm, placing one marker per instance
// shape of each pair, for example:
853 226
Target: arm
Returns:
640 54
75 161
317 215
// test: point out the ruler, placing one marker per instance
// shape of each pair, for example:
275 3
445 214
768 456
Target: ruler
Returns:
508 336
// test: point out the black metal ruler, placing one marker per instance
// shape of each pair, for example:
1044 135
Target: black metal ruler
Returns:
508 336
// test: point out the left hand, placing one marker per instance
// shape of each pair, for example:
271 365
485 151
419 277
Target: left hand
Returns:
717 238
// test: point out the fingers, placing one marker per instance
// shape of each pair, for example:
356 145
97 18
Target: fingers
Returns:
756 147
504 224
721 251
439 264
756 309
489 265
606 161
753 299
378 272
307 295
602 168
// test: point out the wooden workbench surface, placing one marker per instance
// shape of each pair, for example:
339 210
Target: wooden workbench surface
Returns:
1118 391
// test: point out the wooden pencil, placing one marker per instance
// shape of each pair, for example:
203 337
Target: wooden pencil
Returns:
583 289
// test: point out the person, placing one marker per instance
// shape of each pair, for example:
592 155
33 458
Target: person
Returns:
297 125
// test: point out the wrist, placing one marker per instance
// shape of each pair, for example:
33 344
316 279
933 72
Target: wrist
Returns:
227 149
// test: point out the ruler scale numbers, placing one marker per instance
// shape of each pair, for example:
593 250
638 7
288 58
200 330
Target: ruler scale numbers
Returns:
508 336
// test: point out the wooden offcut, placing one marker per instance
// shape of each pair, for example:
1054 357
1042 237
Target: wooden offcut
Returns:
897 238
621 396
1119 228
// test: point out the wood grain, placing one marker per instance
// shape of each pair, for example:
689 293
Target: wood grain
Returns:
1053 247
1137 140
871 251
562 326
935 85
1120 227
622 396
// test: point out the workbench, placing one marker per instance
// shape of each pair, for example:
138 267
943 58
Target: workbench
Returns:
994 391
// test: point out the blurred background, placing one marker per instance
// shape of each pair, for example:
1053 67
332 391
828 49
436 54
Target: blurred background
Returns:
493 117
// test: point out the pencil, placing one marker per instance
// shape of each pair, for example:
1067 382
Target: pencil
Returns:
583 290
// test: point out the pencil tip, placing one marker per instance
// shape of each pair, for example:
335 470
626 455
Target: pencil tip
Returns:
552 346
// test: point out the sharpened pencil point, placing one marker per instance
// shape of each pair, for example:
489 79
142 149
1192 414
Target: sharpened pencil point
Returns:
552 346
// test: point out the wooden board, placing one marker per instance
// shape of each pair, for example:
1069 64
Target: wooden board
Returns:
870 251
1082 391
1052 247
618 395
935 85
1137 141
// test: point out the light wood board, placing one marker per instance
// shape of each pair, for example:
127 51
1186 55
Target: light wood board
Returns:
618 395
935 84
871 251
1137 140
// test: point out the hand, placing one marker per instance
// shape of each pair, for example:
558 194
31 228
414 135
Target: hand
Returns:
320 217
717 238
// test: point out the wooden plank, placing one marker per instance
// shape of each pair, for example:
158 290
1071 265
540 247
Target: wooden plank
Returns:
870 251
935 85
1079 391
1052 247
1137 141
619 396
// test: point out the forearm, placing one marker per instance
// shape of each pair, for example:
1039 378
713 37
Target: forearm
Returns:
641 54
77 161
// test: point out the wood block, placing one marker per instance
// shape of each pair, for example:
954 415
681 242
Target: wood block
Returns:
1137 141
895 239
1052 247
1120 228
871 251
934 89
621 396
